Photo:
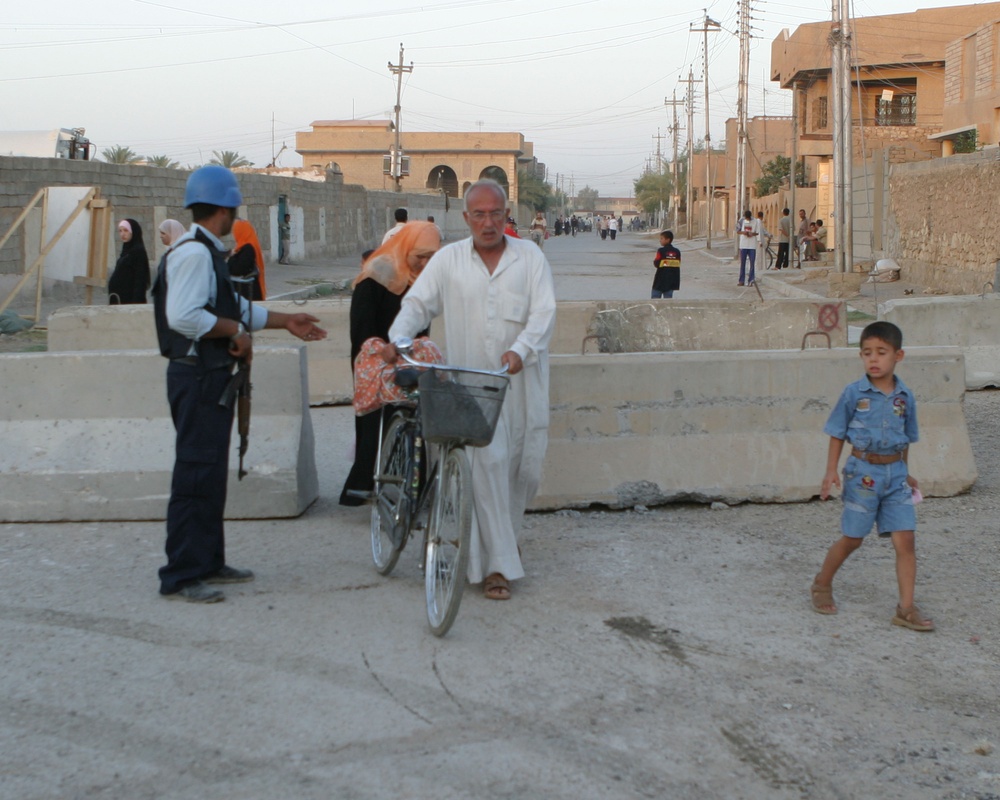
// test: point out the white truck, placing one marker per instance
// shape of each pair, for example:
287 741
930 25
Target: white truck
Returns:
59 143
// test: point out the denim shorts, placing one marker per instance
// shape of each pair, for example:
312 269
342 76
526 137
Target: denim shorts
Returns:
876 494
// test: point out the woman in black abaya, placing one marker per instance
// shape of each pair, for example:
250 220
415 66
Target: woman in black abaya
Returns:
130 280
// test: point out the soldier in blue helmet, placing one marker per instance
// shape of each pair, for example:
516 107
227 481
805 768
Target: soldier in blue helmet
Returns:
202 324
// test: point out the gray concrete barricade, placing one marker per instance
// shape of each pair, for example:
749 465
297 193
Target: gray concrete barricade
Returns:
80 328
674 325
88 436
649 326
971 322
729 426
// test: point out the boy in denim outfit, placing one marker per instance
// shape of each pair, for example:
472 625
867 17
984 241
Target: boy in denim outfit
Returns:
877 415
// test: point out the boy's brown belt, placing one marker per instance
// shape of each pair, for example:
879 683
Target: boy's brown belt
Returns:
876 458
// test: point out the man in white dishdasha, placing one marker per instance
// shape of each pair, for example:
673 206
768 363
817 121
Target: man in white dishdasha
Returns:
498 301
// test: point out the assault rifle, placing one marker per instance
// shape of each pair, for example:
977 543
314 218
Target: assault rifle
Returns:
238 390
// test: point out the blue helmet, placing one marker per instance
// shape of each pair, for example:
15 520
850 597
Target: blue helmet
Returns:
214 185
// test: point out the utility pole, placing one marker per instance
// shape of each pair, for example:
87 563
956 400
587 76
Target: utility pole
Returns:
741 110
673 164
708 25
659 173
690 160
397 154
793 233
840 46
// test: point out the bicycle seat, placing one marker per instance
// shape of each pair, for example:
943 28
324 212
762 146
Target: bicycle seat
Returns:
406 377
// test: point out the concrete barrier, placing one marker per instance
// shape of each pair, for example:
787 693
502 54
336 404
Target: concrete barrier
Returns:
729 426
971 322
88 436
677 325
649 326
87 328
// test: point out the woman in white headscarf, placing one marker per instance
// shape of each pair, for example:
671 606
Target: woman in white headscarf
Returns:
170 231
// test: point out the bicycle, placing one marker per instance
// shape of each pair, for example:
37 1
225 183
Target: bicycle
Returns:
446 409
769 255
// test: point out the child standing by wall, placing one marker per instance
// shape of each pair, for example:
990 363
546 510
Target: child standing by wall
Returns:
667 261
877 415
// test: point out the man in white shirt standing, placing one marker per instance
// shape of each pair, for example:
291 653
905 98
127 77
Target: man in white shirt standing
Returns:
748 232
497 297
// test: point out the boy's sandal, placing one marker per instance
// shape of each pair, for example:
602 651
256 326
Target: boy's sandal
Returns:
496 587
822 599
912 618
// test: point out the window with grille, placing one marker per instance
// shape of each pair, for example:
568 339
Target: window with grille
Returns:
820 113
900 109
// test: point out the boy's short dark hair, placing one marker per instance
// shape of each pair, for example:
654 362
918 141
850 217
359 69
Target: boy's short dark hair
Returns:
401 215
886 331
667 235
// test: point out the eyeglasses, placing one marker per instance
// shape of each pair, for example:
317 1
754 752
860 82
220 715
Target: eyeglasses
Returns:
480 216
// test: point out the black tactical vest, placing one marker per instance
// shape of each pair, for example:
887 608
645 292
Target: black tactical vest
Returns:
211 353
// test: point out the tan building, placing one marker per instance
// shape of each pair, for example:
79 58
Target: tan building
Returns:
972 87
898 84
767 137
439 162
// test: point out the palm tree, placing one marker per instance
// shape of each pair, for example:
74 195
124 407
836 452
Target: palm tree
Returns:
162 161
230 159
119 154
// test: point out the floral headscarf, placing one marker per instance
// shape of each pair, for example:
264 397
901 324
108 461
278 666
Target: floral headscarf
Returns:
388 265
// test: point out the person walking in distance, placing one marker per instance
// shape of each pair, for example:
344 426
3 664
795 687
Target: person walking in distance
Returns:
498 302
202 324
537 229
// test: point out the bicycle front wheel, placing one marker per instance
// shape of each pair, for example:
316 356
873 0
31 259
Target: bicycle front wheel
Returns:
447 553
769 257
391 510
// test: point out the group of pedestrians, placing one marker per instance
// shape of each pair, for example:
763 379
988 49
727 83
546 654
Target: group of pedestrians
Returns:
811 236
130 279
608 225
497 298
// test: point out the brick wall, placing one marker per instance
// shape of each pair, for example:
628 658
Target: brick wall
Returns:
940 221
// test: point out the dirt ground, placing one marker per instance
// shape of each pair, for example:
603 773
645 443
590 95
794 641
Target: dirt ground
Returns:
665 653
668 653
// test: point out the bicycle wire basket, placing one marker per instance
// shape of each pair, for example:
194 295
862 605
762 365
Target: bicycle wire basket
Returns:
460 407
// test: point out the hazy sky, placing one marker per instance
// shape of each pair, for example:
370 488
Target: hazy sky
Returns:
585 81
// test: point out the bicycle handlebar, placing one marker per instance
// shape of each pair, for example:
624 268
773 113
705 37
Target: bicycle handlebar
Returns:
404 345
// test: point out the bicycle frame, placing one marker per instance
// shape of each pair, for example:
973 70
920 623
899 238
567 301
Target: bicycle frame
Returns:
416 494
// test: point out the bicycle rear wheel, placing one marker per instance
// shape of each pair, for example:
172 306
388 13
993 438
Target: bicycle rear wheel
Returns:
769 257
390 521
447 553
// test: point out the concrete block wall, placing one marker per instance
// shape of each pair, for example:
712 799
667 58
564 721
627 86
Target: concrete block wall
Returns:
729 426
330 218
88 436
